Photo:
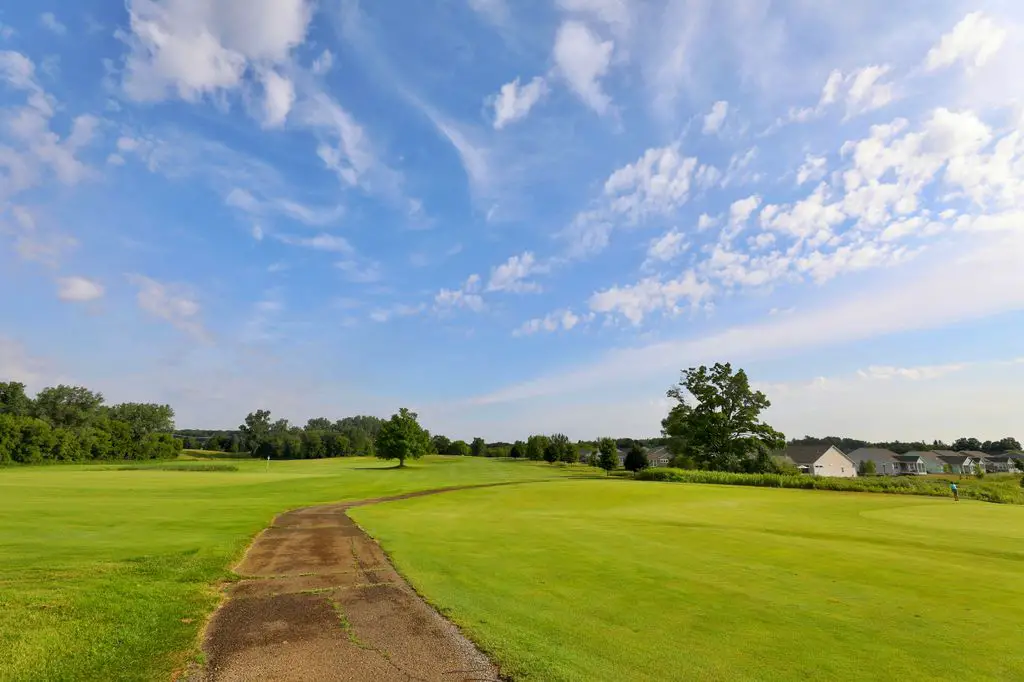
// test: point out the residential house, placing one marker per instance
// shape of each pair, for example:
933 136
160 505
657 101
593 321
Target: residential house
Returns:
1001 464
821 460
958 462
885 460
913 463
659 456
933 463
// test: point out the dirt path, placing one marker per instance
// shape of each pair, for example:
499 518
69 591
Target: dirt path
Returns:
320 601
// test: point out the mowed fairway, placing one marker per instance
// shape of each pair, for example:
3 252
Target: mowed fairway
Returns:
105 574
623 580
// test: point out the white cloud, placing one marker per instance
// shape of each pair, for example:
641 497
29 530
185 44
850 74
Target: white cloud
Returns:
468 296
583 59
511 276
189 50
919 298
741 210
656 183
973 41
716 117
399 310
812 169
705 222
278 98
321 242
172 303
360 272
666 248
562 319
78 289
649 295
51 23
922 373
613 13
323 63
16 364
346 149
514 101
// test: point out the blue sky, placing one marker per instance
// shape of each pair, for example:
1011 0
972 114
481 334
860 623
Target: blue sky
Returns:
518 217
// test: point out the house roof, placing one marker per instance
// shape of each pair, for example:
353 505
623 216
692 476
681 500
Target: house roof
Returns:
956 458
874 454
976 454
807 454
909 457
953 453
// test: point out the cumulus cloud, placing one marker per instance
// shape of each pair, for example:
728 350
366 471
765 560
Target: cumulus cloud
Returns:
514 101
583 59
190 50
666 248
716 117
812 169
649 295
656 183
561 319
511 276
173 303
973 41
78 289
278 98
467 296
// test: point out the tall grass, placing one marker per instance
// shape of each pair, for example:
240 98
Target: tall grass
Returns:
1004 490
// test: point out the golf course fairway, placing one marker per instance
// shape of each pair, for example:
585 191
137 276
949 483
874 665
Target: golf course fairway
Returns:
623 580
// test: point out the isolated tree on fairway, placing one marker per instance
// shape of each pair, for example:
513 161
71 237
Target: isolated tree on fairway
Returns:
479 447
722 429
518 450
608 457
402 438
636 459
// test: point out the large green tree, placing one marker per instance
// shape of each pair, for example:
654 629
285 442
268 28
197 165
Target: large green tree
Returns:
460 448
144 418
14 400
535 447
478 447
441 444
636 459
402 438
68 406
255 430
608 454
717 423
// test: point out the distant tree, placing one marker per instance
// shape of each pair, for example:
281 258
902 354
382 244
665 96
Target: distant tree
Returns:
255 430
608 458
535 446
636 459
551 452
939 445
1007 444
319 424
68 406
963 444
518 450
144 418
478 447
402 438
722 429
13 399
868 468
567 450
441 444
460 448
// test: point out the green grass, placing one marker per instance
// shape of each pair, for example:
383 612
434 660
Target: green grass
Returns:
107 574
624 580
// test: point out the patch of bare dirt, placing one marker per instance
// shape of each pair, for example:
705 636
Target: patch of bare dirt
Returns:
319 600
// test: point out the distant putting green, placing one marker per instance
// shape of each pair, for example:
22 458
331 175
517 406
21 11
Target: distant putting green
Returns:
106 574
622 580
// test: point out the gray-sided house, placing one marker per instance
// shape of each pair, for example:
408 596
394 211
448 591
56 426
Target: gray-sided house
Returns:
933 463
912 463
821 460
1000 464
659 456
885 460
959 462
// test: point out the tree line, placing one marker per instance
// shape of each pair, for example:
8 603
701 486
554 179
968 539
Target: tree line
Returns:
989 447
72 424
